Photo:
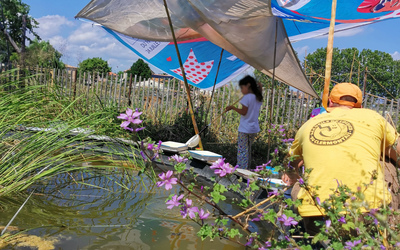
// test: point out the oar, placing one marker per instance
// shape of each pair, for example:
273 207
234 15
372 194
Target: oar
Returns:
194 141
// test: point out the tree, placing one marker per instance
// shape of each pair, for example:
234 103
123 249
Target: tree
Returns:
14 21
41 54
140 69
381 71
95 64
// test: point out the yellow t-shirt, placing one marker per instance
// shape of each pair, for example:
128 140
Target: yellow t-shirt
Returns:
343 146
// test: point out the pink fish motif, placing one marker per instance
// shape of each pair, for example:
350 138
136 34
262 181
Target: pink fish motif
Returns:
195 72
376 6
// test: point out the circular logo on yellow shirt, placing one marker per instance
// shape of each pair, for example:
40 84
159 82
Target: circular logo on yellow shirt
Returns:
331 132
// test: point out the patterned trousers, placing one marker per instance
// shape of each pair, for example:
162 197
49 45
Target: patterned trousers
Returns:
244 149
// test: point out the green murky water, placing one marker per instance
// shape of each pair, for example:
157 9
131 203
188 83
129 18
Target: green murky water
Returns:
126 213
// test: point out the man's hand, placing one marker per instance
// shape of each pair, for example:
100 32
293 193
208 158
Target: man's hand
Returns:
290 178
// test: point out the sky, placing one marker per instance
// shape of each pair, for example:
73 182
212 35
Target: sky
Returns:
78 40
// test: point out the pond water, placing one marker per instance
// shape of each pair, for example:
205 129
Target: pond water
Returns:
127 212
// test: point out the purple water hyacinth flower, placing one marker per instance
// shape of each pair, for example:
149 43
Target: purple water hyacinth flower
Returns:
382 247
191 211
276 151
225 169
281 130
222 168
328 223
139 129
203 215
301 181
250 242
258 218
167 180
124 125
188 210
218 163
143 155
177 159
159 145
201 189
130 117
352 244
373 211
287 221
259 168
342 220
150 146
274 192
174 202
268 244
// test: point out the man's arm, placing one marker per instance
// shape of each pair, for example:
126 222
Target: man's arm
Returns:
393 151
290 178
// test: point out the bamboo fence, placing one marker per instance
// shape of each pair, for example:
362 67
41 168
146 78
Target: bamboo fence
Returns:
164 100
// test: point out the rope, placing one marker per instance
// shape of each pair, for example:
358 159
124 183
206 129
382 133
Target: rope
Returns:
381 86
215 83
272 91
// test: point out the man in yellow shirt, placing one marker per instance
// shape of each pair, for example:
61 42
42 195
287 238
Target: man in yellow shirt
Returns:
343 146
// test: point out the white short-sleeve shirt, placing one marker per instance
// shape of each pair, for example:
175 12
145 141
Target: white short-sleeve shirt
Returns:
249 122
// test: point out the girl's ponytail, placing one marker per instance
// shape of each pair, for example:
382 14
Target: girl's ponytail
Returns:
253 85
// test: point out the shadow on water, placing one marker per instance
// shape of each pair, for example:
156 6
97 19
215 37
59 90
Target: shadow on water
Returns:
127 212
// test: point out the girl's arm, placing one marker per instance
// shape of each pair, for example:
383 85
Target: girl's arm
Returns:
242 111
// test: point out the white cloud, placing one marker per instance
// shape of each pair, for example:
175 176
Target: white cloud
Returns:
301 51
52 25
78 40
396 55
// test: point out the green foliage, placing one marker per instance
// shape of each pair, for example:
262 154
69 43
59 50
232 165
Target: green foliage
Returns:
216 194
41 54
140 69
13 11
95 64
381 68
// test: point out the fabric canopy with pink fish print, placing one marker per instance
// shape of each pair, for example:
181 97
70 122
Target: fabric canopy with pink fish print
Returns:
252 32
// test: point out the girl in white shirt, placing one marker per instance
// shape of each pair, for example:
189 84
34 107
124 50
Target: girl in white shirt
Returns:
249 127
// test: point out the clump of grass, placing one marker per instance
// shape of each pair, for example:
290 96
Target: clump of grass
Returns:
27 157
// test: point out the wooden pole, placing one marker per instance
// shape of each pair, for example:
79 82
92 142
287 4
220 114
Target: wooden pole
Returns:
196 130
130 90
329 52
365 81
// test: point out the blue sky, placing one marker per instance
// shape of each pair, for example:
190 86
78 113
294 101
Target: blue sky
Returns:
78 40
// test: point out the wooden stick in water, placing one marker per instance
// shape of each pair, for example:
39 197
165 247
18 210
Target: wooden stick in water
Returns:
257 205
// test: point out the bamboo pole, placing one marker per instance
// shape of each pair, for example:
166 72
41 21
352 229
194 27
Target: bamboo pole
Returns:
329 52
196 130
